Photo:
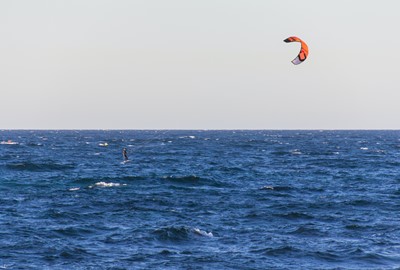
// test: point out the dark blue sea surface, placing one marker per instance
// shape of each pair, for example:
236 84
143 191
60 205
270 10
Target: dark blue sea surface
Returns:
200 200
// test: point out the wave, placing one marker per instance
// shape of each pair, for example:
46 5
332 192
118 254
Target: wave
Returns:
360 202
90 180
294 215
73 231
276 188
203 233
102 182
279 251
68 253
358 227
34 144
364 256
278 191
280 153
307 231
267 188
105 184
180 233
187 137
191 180
39 167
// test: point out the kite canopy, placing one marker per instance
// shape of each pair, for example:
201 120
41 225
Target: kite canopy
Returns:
303 51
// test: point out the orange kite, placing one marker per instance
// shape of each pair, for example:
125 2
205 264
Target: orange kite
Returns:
303 51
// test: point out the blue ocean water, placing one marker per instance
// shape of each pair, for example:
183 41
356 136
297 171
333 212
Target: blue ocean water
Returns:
200 200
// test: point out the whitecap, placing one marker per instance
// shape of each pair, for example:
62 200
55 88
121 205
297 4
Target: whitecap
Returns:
105 184
185 137
74 189
268 187
203 233
364 148
296 152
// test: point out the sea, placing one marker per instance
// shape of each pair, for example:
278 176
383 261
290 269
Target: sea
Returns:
200 199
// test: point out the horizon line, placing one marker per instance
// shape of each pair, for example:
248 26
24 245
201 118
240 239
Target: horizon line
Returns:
200 129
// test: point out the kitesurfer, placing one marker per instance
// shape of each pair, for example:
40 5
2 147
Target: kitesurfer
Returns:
125 154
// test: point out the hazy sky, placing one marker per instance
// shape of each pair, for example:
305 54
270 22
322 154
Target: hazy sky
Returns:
205 64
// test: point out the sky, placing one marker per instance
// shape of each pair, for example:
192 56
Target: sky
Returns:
209 64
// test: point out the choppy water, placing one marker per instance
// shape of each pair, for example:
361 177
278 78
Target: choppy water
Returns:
200 200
